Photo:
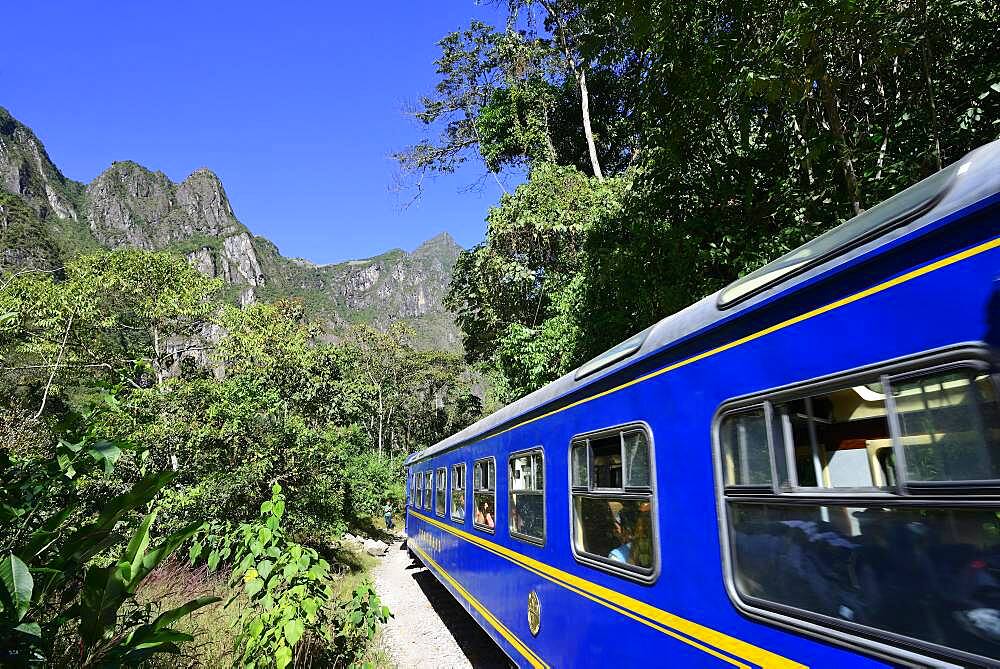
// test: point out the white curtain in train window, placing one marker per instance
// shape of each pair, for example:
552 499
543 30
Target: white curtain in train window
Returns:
428 488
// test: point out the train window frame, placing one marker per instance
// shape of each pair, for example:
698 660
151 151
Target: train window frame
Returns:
419 499
527 538
428 490
639 493
440 491
482 526
413 488
903 494
461 466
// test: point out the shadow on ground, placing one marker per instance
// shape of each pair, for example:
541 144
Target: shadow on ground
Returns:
475 643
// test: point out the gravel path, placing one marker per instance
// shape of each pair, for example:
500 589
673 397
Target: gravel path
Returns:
430 628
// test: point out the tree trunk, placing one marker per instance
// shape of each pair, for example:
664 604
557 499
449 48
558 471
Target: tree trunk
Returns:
580 72
585 111
933 108
831 105
157 367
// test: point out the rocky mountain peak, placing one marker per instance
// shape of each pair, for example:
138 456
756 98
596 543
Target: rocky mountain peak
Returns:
442 245
46 218
27 171
134 206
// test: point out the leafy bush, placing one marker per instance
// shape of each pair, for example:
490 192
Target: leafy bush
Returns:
358 620
286 585
53 585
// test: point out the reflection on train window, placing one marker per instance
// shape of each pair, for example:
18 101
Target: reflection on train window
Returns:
484 494
613 501
442 486
928 573
746 458
527 496
420 490
949 426
428 488
839 439
915 552
458 492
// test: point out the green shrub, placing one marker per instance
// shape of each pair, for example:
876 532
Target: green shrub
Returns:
286 587
62 601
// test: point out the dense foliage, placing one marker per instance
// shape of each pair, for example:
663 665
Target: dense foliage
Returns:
668 148
230 410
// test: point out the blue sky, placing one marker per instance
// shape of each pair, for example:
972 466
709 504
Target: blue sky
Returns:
296 106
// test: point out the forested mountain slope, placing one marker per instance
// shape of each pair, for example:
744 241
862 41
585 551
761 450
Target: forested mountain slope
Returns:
46 218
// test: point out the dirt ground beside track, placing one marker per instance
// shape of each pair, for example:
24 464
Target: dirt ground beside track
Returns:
429 628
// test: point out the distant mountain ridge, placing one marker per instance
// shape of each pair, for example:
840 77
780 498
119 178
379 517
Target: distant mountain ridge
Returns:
46 218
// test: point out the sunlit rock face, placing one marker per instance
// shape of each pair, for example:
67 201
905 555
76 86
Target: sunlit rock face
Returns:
129 205
46 218
27 171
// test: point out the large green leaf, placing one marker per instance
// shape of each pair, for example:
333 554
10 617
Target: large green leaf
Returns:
157 632
44 535
293 631
153 558
106 452
104 591
16 586
137 546
91 539
173 615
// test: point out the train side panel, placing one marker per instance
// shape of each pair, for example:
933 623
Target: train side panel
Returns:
592 618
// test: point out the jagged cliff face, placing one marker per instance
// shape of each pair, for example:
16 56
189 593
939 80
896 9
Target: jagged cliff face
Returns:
128 205
393 286
46 218
27 171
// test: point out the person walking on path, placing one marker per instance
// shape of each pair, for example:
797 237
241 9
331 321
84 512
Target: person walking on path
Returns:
387 514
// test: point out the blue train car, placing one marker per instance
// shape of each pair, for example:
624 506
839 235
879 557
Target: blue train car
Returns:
801 470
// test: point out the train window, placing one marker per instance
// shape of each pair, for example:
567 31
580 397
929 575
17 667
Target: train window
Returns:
612 491
838 439
442 487
949 425
910 554
484 494
419 497
428 488
413 488
526 472
458 492
745 452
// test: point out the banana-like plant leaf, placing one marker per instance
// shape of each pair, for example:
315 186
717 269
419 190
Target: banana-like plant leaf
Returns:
158 631
32 629
104 591
16 586
153 558
137 546
106 452
168 618
44 535
79 547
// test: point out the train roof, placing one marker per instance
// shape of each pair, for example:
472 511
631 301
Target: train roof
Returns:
967 181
